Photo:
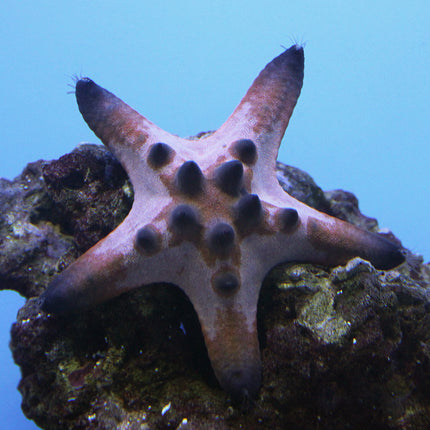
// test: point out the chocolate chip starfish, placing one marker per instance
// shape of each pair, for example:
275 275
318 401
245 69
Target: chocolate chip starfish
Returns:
210 217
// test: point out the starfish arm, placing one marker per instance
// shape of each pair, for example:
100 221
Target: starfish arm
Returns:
334 242
263 114
301 233
93 278
110 268
229 326
314 237
123 130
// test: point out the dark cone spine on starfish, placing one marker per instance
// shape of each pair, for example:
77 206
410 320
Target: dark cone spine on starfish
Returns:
228 177
184 222
288 219
225 282
248 213
190 179
148 239
159 155
221 239
245 150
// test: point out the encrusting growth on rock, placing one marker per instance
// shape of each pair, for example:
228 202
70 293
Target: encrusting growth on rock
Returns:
210 217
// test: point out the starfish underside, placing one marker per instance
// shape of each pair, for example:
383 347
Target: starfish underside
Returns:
210 217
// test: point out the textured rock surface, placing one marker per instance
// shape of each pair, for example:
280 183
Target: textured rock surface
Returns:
341 348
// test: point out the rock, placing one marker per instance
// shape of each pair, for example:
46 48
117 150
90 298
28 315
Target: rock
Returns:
347 347
31 249
300 185
90 193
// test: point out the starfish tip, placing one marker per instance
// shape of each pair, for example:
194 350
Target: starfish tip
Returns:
88 95
389 255
293 58
55 300
243 384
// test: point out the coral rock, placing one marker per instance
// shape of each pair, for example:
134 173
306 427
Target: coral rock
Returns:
347 347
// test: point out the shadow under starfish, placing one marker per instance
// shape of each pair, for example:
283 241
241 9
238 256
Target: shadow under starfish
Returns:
210 217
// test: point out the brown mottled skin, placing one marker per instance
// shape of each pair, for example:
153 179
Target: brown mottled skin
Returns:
210 216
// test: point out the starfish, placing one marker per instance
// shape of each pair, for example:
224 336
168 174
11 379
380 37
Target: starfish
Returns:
210 217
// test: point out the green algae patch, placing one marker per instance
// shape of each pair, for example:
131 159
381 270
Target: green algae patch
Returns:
317 313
